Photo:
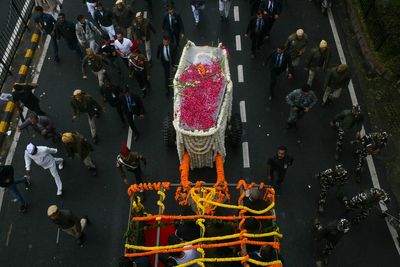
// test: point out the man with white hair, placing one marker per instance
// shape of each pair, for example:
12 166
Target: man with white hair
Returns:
296 46
42 156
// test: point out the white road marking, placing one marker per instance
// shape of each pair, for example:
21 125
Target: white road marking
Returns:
238 43
246 158
9 235
145 14
129 139
240 73
242 105
236 13
58 236
354 101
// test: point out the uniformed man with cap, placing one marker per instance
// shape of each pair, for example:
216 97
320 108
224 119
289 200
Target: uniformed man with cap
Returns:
142 29
68 222
75 143
42 156
296 46
96 63
84 103
337 79
317 60
300 102
131 162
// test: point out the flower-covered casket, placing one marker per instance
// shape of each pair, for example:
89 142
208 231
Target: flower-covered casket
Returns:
202 103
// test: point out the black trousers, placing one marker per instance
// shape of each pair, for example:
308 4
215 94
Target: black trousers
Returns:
167 75
280 176
256 42
74 45
175 38
274 74
129 118
138 174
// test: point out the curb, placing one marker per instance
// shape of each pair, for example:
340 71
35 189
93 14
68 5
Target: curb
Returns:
370 58
22 75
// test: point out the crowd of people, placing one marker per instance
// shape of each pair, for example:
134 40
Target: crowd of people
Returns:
126 47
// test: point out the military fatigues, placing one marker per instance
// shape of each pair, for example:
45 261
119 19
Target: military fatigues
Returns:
132 163
296 47
334 83
363 202
330 178
315 61
299 100
370 144
80 146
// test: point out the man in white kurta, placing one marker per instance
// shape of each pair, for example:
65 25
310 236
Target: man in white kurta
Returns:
42 156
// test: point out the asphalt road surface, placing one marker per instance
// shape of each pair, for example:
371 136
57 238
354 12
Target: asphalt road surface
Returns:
31 239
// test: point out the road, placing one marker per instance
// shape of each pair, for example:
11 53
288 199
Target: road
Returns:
30 239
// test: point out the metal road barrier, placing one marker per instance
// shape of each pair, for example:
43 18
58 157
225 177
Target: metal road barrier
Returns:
16 18
22 74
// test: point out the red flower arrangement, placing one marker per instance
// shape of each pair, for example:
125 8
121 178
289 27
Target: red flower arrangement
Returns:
201 95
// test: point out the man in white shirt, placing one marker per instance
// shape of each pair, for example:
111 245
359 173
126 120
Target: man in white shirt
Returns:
41 155
123 47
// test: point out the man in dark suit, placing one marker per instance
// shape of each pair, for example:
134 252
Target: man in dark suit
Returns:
278 61
131 105
173 25
168 54
273 9
258 30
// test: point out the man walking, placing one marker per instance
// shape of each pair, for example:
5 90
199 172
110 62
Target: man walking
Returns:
257 29
7 181
168 54
142 29
123 17
278 164
68 222
278 62
131 105
317 60
91 6
46 23
86 33
300 102
337 79
224 6
131 162
296 46
173 25
123 47
66 30
23 93
96 64
139 68
104 17
197 7
111 94
75 144
84 103
43 157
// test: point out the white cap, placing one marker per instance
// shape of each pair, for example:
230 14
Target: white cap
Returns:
300 32
51 210
138 14
30 148
119 2
77 92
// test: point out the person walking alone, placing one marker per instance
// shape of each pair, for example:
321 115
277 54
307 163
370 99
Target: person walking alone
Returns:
173 25
300 102
84 103
46 23
296 45
131 105
168 54
257 30
42 156
68 222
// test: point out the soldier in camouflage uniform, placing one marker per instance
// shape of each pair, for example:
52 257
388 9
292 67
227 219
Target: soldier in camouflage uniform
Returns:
330 178
370 144
296 46
345 121
300 102
363 202
327 238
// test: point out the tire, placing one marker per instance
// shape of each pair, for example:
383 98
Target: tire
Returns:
235 129
169 134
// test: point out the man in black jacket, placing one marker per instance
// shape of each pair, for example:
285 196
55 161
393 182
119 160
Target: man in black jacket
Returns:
23 93
66 30
258 31
168 54
173 25
7 181
131 105
111 94
278 61
279 163
104 18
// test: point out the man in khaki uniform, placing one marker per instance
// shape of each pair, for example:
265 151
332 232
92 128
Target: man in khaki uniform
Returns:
296 46
75 143
317 60
337 79
96 63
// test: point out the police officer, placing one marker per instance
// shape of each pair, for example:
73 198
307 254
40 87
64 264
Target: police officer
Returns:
327 238
370 144
344 121
131 162
330 178
363 202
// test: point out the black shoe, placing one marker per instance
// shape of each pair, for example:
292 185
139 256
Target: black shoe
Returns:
88 222
23 208
57 59
221 18
94 171
81 240
290 125
27 182
95 139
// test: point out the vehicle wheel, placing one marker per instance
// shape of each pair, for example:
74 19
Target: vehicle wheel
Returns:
169 134
235 129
